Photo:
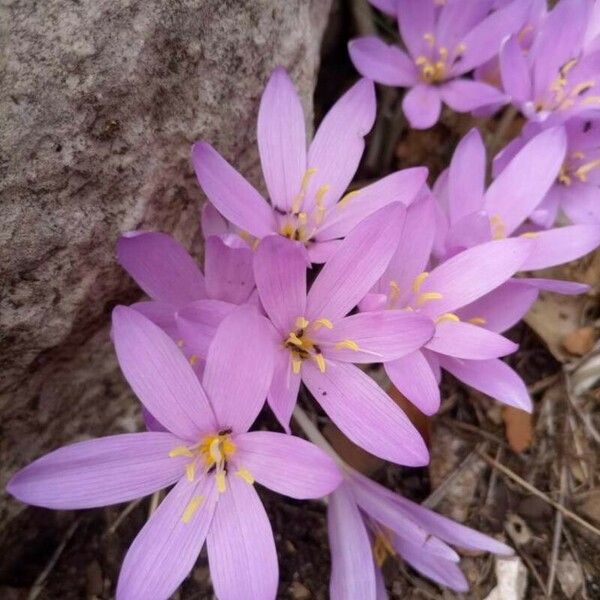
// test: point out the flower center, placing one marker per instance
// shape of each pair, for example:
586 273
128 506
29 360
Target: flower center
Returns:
302 346
435 67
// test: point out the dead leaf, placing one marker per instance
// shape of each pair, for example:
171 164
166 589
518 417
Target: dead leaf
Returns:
517 529
350 453
569 575
519 428
580 341
421 421
511 575
590 505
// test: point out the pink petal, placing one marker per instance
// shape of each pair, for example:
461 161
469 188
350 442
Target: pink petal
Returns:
352 569
161 267
165 550
413 376
282 139
492 377
569 288
386 6
401 186
160 375
321 252
239 368
471 230
357 264
241 550
522 185
515 71
280 274
464 340
211 222
464 95
381 62
381 336
365 413
422 105
415 18
581 203
287 464
283 392
99 472
230 193
161 314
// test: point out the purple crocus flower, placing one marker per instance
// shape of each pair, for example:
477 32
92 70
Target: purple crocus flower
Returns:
576 190
444 41
307 187
207 453
315 342
444 296
559 75
368 523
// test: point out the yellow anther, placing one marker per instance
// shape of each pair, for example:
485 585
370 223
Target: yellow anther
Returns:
294 340
529 234
180 343
302 218
460 48
443 52
249 239
564 177
323 323
577 155
394 293
427 296
302 322
429 38
498 227
323 189
245 475
349 344
287 230
214 450
418 282
582 87
478 321
306 178
344 201
567 66
181 451
382 548
591 100
296 365
190 471
221 484
421 60
193 359
191 508
318 358
582 171
447 317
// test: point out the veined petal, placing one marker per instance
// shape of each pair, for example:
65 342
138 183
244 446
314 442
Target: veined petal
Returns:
239 368
413 376
321 252
401 186
165 550
358 263
465 340
471 230
280 274
287 464
415 18
515 70
281 139
381 62
376 336
422 105
569 288
212 222
352 568
464 95
160 375
522 185
230 193
365 413
99 472
161 266
160 313
241 550
492 377
581 203
283 392
228 271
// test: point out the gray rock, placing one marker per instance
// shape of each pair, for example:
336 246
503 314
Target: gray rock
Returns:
99 104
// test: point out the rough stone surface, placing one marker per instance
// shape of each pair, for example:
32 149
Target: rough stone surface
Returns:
99 104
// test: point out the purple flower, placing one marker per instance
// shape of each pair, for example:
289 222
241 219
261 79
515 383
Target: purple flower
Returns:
445 295
315 342
368 523
576 189
307 187
558 76
207 452
444 41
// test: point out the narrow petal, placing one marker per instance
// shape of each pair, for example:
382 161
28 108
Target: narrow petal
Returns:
522 185
161 266
422 105
471 230
381 62
492 377
165 550
376 336
561 245
358 263
468 275
161 314
386 6
415 18
339 142
287 464
413 376
280 274
515 71
283 392
365 413
464 95
352 568
241 550
100 472
281 134
160 375
230 193
402 186
228 271
239 368
465 340
212 222
466 177
569 288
